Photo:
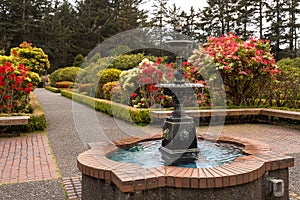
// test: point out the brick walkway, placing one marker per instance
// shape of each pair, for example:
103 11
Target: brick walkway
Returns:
73 187
26 158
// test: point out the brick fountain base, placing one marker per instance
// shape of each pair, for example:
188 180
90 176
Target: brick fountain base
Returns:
246 178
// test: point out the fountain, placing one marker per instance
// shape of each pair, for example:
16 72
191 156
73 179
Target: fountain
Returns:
179 133
255 172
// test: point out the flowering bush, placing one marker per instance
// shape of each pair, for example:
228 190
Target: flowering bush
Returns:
244 65
32 57
139 83
14 88
108 89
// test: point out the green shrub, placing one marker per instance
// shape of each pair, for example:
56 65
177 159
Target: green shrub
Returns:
105 76
53 78
64 74
129 61
89 73
119 50
90 60
284 91
68 74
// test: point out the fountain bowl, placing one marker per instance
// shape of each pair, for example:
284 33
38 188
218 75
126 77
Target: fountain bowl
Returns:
260 174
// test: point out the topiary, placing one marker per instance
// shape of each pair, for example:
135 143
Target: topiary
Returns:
105 76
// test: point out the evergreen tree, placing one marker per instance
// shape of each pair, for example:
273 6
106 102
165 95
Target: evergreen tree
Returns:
189 24
259 18
59 30
217 18
244 20
277 18
159 19
293 25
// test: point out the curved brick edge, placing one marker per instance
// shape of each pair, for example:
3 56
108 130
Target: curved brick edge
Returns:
131 177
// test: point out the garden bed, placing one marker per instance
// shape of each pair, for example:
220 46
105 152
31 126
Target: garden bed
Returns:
37 119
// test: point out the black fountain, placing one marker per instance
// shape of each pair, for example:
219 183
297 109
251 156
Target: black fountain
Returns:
179 142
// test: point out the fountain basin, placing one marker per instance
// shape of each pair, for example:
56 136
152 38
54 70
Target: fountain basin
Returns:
247 177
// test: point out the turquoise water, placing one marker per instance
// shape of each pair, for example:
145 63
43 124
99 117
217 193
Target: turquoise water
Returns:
147 154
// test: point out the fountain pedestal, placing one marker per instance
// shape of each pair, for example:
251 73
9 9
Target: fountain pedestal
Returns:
179 140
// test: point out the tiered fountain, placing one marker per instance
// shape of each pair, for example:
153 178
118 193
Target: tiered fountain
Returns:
179 142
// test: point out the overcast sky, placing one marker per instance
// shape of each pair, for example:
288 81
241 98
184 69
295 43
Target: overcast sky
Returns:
184 4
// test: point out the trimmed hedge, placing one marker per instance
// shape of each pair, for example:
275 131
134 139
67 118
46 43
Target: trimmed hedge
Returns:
52 89
138 116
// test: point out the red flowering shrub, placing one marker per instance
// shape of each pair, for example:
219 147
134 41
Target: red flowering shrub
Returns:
244 65
14 88
149 74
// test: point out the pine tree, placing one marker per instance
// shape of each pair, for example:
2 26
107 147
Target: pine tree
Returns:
217 18
159 20
277 18
245 16
293 25
189 24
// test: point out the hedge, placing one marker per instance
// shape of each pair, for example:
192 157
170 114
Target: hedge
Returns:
52 89
127 113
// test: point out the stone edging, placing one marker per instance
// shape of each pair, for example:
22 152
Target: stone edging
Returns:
131 177
233 112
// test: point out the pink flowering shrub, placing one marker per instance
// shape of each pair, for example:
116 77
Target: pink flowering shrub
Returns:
139 83
245 66
14 88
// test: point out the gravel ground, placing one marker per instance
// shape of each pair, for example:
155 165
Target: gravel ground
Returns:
39 190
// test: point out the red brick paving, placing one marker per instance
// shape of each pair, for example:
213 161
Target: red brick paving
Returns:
26 158
73 187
